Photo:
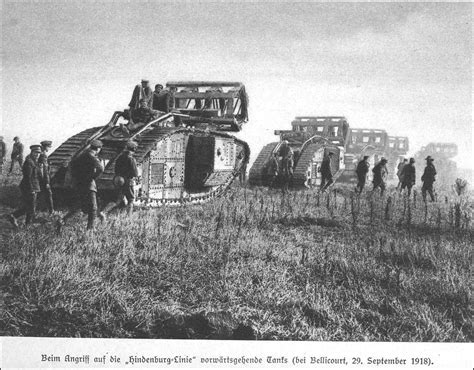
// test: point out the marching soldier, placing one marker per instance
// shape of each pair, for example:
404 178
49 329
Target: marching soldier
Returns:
428 179
125 174
17 153
3 153
29 187
362 170
85 170
408 176
326 172
45 184
399 171
380 175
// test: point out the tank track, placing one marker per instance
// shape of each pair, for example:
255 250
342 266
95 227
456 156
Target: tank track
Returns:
147 140
257 172
304 163
67 150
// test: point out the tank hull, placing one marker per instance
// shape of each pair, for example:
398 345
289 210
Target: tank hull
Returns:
176 165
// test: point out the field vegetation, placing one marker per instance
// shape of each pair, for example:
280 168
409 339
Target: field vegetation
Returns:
254 264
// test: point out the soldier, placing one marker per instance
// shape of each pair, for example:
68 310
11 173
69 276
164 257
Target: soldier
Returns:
17 153
29 187
125 174
3 153
428 179
326 172
286 154
141 92
408 176
273 170
361 171
85 169
380 175
161 99
45 179
399 171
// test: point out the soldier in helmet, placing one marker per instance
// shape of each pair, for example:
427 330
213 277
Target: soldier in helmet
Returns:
428 179
125 174
3 153
45 179
362 170
29 187
326 172
380 175
408 176
17 153
85 169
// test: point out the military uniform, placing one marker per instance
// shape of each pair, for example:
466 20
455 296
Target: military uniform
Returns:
286 165
126 169
17 155
326 173
45 183
162 101
361 171
138 94
380 175
85 170
428 179
408 176
144 115
29 187
400 172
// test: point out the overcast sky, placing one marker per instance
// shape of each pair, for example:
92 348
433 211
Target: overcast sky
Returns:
402 67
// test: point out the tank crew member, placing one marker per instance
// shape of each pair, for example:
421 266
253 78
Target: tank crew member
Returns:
17 153
45 182
408 176
142 116
362 170
161 99
428 179
380 175
85 169
29 187
326 172
125 174
399 171
3 153
140 92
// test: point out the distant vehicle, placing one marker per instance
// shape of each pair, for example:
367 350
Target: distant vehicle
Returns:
362 142
311 138
376 144
446 168
184 156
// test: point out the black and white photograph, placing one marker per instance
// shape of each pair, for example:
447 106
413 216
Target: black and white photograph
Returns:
223 171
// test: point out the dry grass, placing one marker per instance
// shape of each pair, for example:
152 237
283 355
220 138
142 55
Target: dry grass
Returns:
253 264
